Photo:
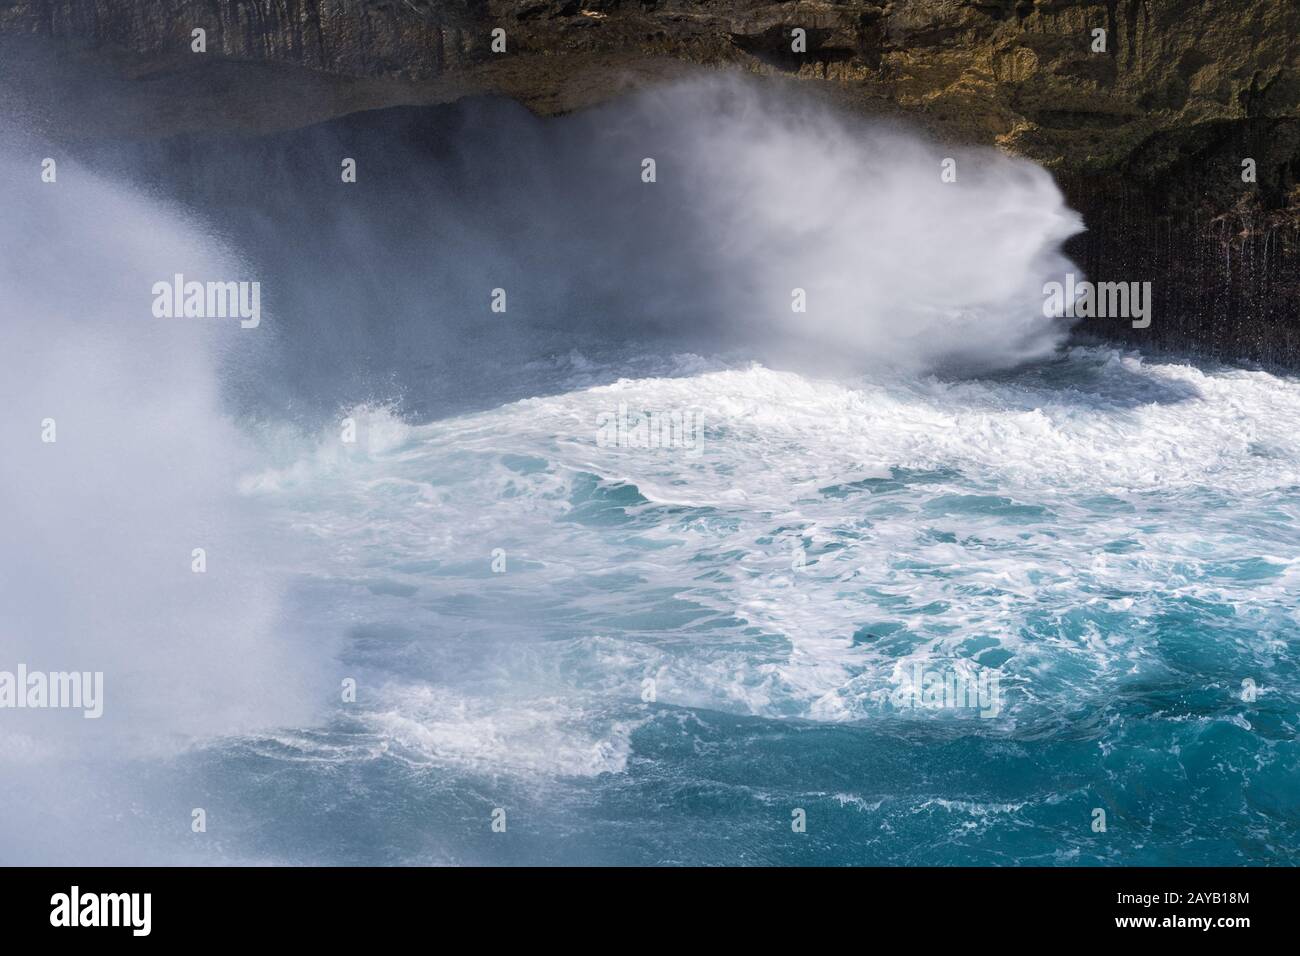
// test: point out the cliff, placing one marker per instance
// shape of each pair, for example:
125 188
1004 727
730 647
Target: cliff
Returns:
1147 135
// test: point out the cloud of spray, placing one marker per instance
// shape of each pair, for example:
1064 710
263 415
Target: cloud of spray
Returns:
100 524
381 289
901 267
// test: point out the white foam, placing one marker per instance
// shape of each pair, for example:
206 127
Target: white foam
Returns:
429 724
924 558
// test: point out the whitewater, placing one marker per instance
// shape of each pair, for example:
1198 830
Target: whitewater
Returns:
1115 536
642 655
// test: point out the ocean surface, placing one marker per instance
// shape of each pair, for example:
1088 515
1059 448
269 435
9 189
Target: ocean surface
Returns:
1115 537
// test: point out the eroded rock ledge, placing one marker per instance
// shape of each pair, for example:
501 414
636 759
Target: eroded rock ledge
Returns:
1147 138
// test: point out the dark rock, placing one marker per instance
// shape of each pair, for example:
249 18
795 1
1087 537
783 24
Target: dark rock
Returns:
1147 138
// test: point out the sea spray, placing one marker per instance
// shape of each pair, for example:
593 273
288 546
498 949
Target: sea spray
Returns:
119 463
484 244
898 252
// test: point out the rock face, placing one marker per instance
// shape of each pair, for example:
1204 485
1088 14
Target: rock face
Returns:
1146 124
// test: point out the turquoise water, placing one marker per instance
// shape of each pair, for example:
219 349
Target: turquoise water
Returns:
1114 538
